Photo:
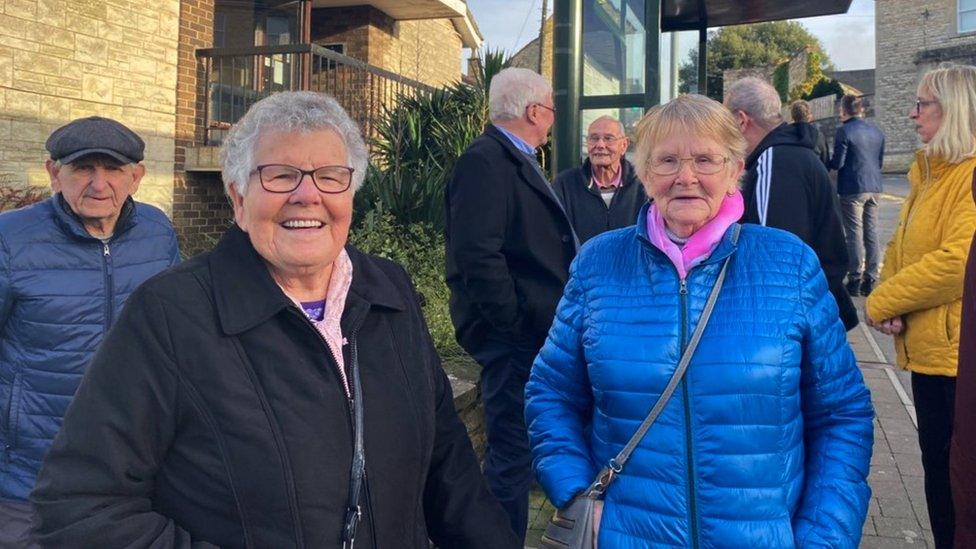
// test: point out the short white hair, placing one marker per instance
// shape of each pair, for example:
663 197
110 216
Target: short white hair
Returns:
299 112
758 99
608 118
512 90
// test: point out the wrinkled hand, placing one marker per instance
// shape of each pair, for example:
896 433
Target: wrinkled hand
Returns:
597 517
891 326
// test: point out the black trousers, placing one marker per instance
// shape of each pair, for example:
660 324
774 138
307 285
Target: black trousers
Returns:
934 400
505 369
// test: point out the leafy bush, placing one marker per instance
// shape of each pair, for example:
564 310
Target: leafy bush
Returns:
418 141
12 198
419 248
825 86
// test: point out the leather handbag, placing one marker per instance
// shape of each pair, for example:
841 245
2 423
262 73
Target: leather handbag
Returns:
572 526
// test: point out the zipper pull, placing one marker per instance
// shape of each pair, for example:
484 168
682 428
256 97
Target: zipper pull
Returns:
683 290
105 250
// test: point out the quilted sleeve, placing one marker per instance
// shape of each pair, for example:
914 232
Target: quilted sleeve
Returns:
559 403
837 419
6 297
936 278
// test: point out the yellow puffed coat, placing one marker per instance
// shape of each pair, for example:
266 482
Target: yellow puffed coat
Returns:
924 265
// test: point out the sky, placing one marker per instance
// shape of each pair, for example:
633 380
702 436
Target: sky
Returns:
848 38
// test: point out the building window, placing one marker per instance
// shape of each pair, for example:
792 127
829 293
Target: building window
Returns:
220 30
967 15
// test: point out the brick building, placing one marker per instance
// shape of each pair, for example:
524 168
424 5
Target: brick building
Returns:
179 72
911 38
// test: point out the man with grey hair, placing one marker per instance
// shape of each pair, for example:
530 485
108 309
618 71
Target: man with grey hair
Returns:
67 266
786 186
509 246
604 193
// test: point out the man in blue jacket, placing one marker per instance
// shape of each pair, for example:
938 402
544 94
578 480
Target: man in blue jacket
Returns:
858 154
67 265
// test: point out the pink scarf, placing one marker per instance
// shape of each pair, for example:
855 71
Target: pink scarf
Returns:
702 242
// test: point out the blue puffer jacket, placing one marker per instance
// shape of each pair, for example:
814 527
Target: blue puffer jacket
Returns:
767 441
60 290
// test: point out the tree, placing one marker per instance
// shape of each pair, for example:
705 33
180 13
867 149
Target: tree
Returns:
746 46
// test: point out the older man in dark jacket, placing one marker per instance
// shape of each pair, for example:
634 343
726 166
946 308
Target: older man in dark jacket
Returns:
858 155
604 193
67 266
786 186
509 246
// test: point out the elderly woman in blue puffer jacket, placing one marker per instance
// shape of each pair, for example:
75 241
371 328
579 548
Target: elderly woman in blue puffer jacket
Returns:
767 440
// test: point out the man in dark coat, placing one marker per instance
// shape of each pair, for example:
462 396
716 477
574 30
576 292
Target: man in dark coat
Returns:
786 186
858 155
509 246
604 193
67 267
801 115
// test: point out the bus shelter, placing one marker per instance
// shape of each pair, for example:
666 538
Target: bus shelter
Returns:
607 55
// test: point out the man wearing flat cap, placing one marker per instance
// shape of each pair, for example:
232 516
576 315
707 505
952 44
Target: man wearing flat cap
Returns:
67 265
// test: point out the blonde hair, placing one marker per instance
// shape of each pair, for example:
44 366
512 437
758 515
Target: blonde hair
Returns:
692 113
954 86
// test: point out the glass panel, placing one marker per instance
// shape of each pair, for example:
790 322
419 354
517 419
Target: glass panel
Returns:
967 21
629 116
679 64
613 47
967 5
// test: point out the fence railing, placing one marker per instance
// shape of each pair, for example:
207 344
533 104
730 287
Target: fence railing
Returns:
236 78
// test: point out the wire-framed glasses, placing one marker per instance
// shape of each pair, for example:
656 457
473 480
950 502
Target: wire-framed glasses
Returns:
702 164
282 178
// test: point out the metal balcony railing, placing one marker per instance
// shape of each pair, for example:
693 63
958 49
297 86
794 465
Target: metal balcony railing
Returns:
236 78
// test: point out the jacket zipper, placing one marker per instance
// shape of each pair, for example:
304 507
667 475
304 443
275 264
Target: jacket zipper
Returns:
109 285
692 503
349 410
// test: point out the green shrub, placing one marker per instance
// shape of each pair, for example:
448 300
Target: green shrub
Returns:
419 248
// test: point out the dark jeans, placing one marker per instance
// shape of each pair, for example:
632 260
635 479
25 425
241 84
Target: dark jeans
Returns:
508 459
860 215
15 524
934 400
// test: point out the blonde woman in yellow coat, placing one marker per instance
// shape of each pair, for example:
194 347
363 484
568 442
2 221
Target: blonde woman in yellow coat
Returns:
919 296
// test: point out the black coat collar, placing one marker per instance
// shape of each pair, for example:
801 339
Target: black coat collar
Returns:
245 295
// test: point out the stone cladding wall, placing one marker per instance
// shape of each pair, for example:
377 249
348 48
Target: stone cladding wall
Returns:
65 59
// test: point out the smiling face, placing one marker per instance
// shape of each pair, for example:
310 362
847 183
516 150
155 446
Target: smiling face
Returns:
687 200
300 233
927 116
600 151
95 188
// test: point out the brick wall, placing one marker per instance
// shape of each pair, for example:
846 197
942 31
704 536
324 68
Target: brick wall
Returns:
913 43
200 210
65 59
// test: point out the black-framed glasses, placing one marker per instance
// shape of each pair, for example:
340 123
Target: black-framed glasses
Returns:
282 178
919 103
702 164
594 138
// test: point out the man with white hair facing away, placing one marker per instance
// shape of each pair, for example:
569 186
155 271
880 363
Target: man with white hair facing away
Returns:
509 246
786 186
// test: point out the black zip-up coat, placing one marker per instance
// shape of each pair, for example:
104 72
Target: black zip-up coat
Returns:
509 245
786 186
587 211
214 414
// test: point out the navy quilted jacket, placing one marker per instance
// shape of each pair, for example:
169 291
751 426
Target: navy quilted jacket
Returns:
767 441
60 291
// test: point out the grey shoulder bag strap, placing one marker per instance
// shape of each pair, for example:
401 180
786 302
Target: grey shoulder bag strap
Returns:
572 527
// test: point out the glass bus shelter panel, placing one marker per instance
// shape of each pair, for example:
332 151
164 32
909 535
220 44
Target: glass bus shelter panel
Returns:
628 116
613 47
679 60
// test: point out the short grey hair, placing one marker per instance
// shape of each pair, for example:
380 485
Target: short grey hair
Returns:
758 99
302 112
512 90
608 118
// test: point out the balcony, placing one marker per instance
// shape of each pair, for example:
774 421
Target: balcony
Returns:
236 78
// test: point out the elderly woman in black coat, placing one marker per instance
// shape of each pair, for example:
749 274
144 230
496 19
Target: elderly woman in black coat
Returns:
279 391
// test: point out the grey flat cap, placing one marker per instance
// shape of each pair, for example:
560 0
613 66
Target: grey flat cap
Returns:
95 135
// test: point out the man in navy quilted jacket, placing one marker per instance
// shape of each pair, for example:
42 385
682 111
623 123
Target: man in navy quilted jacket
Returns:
67 265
